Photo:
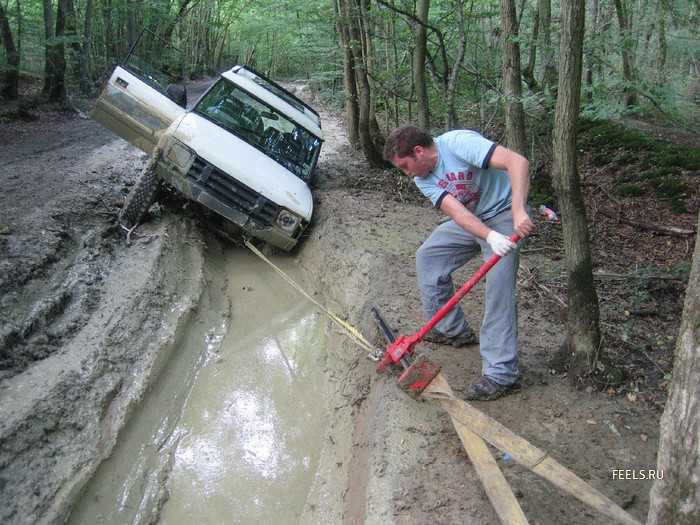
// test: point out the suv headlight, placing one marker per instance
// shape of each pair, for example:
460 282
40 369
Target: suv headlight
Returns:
180 155
288 221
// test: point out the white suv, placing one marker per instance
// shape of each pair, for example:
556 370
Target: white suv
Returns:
247 149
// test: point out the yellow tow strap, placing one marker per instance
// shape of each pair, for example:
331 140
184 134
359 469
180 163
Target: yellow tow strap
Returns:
352 332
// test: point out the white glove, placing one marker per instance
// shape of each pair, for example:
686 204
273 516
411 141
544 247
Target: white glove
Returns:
500 244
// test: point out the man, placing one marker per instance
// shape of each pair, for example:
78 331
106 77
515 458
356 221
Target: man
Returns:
483 188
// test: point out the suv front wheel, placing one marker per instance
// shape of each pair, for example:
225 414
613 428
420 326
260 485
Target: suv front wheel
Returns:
142 194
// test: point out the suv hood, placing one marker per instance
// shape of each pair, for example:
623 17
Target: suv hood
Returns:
245 163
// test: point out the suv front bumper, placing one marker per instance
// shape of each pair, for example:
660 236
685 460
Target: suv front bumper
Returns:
233 200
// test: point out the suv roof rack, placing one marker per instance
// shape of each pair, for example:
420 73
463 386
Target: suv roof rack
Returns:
275 84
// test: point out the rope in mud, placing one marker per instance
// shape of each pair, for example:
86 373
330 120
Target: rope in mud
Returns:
352 332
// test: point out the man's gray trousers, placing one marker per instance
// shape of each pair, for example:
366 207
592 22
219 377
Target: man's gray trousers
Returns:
450 247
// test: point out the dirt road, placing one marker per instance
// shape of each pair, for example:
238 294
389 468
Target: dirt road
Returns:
89 323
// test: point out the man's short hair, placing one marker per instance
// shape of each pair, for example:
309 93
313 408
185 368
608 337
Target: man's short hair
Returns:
401 141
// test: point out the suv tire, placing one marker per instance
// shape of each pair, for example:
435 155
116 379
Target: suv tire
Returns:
142 195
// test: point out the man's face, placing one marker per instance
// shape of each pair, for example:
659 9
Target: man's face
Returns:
417 164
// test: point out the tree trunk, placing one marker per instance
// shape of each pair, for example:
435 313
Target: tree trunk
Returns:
627 55
71 33
372 153
549 75
85 76
515 117
451 121
131 29
352 111
583 318
368 57
170 27
18 12
676 498
529 72
663 47
589 62
109 38
10 89
58 58
49 73
419 52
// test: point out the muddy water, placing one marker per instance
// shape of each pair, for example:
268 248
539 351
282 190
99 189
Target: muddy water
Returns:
232 432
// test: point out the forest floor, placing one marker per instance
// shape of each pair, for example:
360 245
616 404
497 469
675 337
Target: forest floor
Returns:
88 323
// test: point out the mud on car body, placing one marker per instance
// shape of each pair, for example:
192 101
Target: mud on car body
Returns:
247 149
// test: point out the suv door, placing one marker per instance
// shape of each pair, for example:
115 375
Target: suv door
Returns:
133 102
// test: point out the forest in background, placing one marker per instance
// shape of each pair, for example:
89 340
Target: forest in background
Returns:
639 57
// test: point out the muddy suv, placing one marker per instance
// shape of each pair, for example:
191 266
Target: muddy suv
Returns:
246 149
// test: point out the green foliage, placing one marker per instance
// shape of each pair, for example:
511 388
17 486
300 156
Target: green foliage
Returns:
652 165
609 135
629 190
678 156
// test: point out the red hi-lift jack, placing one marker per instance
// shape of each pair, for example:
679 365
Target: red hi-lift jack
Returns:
419 372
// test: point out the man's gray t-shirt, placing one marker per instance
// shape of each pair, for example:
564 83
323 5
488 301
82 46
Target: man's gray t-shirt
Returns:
462 171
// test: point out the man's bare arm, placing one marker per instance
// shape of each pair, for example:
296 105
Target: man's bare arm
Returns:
518 170
451 207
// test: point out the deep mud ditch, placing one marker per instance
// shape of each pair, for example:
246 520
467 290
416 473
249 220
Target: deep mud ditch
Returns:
91 330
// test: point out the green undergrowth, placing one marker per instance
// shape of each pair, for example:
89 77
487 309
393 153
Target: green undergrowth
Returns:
646 166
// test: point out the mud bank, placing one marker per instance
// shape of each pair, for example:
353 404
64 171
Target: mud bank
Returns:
87 322
61 416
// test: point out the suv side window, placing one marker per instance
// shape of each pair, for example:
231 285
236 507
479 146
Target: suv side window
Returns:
158 64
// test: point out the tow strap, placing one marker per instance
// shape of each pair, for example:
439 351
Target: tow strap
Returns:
353 333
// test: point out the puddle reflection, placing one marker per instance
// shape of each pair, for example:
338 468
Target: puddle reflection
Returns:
253 423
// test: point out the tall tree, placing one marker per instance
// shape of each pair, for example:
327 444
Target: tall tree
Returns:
676 498
515 116
58 57
529 71
71 38
419 53
10 89
452 74
663 46
583 331
49 73
352 110
628 70
594 12
85 76
549 72
352 10
132 8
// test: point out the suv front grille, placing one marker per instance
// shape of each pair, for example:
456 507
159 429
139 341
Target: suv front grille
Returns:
232 192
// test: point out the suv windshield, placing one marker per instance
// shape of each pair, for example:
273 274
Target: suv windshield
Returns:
261 126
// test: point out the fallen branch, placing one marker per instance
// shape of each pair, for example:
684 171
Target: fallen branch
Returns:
633 276
659 228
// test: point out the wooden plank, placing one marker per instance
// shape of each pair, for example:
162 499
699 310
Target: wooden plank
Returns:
464 414
497 488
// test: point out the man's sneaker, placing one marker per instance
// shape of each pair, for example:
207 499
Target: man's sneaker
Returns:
485 389
463 339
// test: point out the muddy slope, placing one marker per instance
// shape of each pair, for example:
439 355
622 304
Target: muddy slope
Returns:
87 321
